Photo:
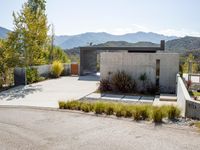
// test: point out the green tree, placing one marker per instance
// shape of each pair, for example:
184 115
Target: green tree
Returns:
9 58
30 32
185 67
59 55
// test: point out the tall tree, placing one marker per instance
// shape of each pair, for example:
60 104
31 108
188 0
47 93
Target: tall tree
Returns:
30 32
9 58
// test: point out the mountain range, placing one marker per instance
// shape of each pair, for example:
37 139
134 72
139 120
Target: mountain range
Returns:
67 42
173 43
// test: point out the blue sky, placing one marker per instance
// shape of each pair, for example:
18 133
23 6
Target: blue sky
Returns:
169 17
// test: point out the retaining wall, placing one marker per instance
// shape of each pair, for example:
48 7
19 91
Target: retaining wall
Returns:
190 108
43 71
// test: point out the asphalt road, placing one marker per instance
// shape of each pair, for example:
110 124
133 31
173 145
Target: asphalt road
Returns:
25 128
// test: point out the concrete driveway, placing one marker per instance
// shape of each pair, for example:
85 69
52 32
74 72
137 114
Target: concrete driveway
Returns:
49 92
23 128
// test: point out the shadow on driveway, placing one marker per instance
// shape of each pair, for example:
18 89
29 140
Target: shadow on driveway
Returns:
19 92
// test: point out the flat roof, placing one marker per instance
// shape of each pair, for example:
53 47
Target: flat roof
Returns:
129 49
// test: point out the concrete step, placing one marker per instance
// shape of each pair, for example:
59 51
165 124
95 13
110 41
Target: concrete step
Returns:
168 97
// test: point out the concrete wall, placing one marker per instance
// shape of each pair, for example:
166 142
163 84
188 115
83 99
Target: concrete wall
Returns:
190 108
88 62
43 71
136 64
182 95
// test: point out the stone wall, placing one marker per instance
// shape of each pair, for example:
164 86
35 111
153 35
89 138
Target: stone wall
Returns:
136 64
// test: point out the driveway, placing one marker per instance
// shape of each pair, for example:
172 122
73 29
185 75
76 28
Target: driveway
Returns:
24 128
49 92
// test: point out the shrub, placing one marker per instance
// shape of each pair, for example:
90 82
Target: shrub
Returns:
118 110
158 114
99 107
32 75
127 111
145 111
57 68
173 112
104 85
109 109
86 107
122 82
73 105
61 105
136 114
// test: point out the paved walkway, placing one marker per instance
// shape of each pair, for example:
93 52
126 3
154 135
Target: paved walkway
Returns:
121 98
49 92
34 129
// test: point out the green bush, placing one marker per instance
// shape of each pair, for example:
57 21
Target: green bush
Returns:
32 75
62 105
73 105
99 107
109 109
104 85
173 112
86 107
118 110
142 112
158 114
122 82
138 112
57 68
127 111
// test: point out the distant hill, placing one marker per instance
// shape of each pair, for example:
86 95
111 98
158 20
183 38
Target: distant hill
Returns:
76 51
67 42
3 32
183 44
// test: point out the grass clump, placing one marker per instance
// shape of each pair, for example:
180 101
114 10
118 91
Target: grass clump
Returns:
118 110
173 112
142 112
138 112
86 107
99 107
57 68
73 105
62 105
158 114
109 109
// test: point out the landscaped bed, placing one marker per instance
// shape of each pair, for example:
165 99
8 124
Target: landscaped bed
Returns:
137 112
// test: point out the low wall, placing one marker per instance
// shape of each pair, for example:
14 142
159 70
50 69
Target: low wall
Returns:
192 109
43 71
182 95
189 107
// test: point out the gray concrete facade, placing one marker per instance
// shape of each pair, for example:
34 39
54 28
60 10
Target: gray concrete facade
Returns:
88 55
136 64
88 62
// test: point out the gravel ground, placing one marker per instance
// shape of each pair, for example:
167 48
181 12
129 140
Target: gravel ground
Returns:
35 129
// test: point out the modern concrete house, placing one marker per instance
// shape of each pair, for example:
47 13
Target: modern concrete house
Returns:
161 68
